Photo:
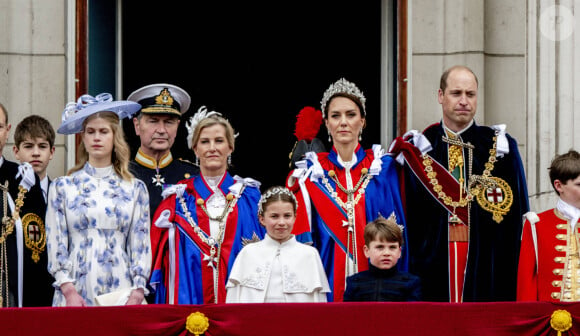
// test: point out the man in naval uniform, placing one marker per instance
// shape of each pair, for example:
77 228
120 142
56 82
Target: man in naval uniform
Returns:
156 125
465 194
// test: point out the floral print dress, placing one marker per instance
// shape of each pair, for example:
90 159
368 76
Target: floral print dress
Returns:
98 233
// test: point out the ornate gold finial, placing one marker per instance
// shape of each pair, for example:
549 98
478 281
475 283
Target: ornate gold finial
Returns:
561 321
200 201
164 98
197 323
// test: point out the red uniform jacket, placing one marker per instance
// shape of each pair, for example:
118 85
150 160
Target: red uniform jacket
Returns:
557 257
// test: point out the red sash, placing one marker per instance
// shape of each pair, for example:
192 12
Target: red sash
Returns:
334 217
226 247
414 159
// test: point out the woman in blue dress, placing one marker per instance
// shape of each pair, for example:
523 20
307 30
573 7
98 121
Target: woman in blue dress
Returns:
98 214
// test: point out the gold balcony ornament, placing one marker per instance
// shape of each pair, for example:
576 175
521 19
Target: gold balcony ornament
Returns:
561 321
197 323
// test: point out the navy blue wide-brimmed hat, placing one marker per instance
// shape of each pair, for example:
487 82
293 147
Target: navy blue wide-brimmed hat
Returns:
75 113
161 99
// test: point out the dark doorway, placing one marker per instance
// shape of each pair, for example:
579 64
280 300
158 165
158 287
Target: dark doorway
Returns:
257 63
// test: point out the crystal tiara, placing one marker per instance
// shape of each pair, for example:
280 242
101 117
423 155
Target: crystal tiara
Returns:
273 192
342 86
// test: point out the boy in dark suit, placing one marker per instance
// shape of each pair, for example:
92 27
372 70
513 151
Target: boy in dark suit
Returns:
383 281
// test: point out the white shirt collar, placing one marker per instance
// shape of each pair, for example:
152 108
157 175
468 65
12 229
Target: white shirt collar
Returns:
459 132
348 164
44 186
569 211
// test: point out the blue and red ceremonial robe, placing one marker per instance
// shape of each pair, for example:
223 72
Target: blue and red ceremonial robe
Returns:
181 246
321 218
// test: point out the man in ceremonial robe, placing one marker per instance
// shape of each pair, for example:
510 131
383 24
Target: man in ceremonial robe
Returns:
465 193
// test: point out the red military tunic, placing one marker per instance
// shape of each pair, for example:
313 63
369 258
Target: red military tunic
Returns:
554 277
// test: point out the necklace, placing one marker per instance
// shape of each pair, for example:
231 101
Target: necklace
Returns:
349 206
227 208
214 244
477 181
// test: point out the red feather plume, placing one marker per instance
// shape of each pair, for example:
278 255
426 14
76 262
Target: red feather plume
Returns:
308 123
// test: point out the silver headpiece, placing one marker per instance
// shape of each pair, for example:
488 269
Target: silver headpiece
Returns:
201 114
393 219
342 86
273 192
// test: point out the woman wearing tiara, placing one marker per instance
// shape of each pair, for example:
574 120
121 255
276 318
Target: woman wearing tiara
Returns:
340 191
203 222
278 268
97 220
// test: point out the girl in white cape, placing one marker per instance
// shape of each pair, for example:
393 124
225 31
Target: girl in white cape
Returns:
277 268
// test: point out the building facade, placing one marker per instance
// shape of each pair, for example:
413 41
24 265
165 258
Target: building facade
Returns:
523 51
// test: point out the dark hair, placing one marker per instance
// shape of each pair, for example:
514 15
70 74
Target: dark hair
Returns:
354 99
565 167
3 109
274 194
443 80
34 126
383 229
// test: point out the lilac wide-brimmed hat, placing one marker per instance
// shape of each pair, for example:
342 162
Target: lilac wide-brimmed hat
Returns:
75 113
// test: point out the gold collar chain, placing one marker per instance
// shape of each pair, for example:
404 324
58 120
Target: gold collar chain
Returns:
472 192
7 229
213 243
206 238
8 222
359 187
349 206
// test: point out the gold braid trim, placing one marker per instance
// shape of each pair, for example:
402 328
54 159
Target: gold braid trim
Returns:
7 229
8 222
477 181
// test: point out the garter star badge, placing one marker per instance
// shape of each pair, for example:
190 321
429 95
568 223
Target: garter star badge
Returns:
496 199
34 234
